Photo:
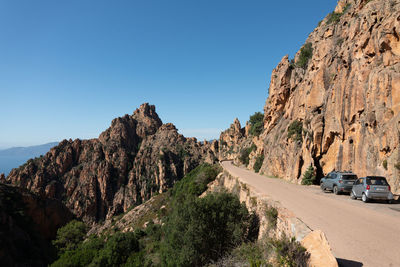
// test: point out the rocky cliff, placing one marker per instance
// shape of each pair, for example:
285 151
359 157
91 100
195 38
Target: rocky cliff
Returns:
134 159
336 105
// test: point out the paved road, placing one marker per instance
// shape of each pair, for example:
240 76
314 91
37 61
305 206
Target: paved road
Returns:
360 234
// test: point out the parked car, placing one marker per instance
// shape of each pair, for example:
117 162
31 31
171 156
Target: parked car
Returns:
372 187
338 182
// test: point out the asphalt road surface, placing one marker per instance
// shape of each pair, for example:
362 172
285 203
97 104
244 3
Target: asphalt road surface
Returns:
360 234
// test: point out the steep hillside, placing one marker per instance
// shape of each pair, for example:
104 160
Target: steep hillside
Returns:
336 104
27 224
134 159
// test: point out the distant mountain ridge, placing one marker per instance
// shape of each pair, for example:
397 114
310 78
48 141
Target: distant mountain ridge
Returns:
13 157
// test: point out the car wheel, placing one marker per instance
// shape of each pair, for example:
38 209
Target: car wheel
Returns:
364 198
322 187
335 190
352 196
389 201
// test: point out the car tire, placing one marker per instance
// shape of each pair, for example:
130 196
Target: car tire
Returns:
335 190
364 198
352 196
322 187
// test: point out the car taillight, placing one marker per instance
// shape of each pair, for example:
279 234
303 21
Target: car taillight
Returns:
389 187
368 187
340 181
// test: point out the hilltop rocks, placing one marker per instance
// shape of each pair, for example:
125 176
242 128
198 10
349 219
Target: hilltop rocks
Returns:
230 141
2 178
131 161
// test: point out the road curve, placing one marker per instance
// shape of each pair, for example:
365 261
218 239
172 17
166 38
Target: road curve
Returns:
360 234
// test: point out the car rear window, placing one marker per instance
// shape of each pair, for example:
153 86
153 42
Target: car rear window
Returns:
376 181
349 177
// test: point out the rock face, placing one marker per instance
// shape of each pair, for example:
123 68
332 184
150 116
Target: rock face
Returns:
131 161
230 141
346 98
27 224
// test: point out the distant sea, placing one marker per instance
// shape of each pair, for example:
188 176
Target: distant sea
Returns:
16 156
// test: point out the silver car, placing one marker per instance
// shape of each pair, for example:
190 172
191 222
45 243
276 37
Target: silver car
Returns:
372 187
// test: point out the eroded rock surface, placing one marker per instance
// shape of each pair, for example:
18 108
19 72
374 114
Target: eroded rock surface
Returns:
134 159
347 98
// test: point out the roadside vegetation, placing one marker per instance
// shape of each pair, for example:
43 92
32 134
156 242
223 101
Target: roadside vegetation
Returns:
245 154
309 176
258 163
205 231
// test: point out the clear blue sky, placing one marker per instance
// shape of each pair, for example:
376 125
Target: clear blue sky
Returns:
67 68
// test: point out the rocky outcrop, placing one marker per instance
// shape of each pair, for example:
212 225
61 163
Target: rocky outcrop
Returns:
344 97
231 141
134 159
27 224
236 141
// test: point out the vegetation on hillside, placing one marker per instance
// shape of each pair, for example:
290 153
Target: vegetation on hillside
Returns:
334 17
195 232
69 236
256 123
305 55
295 131
258 163
245 153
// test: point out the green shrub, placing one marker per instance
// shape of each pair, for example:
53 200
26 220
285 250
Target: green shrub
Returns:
308 177
256 124
96 251
252 253
272 216
384 164
305 55
295 130
335 17
182 153
397 165
203 229
82 255
245 153
69 236
290 253
339 42
258 163
117 249
195 182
